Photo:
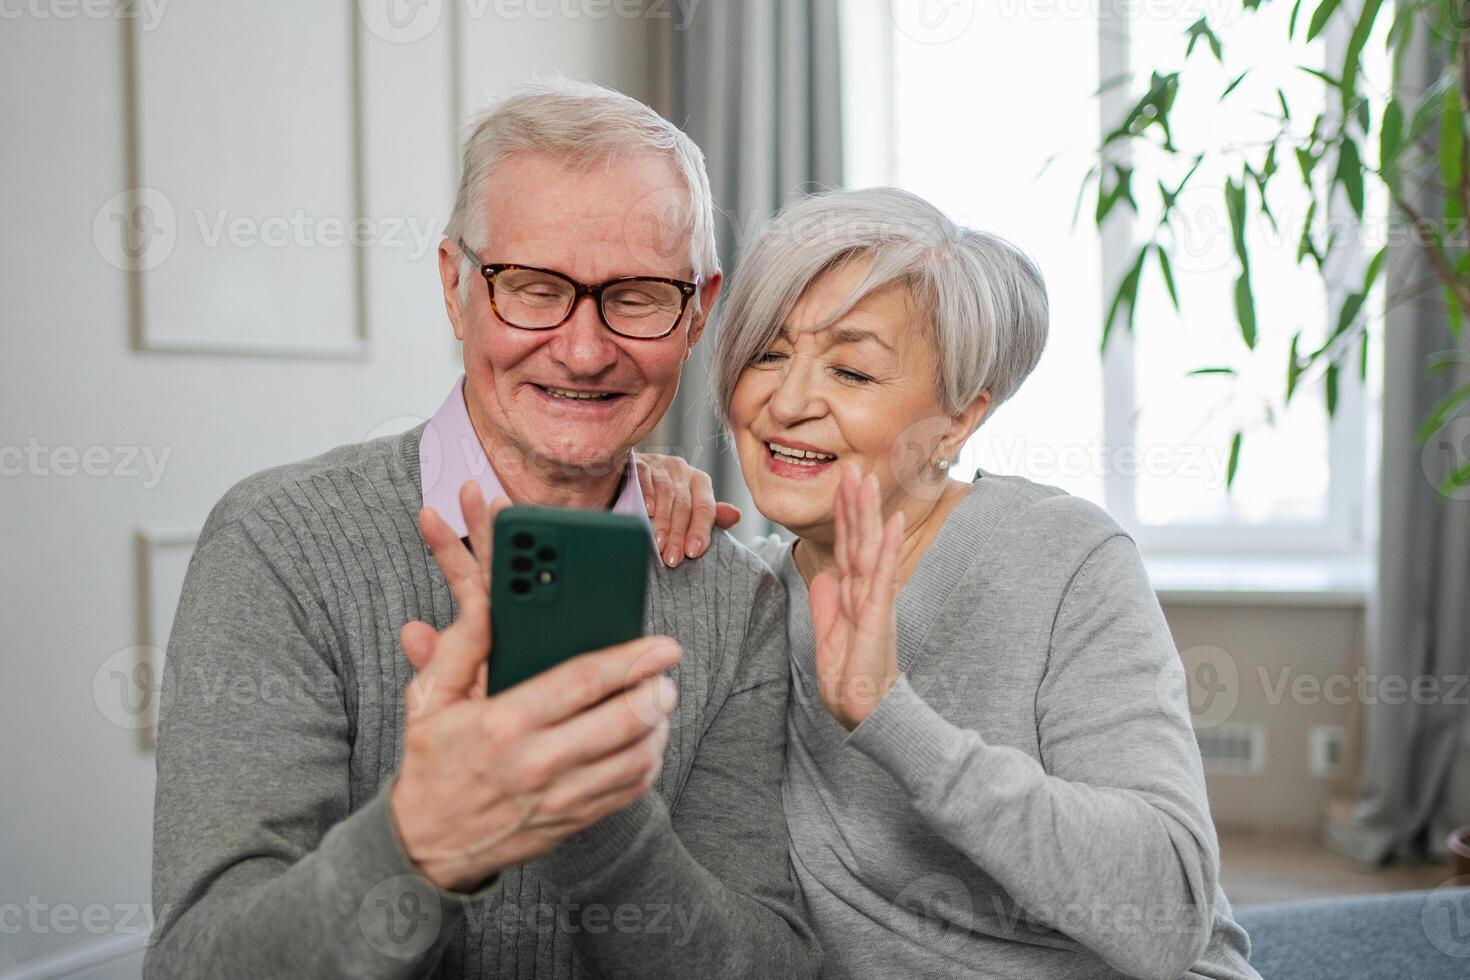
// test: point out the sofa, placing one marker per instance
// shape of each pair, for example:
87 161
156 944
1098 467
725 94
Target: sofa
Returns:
1397 936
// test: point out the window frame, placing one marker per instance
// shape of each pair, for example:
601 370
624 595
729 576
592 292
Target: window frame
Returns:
1344 534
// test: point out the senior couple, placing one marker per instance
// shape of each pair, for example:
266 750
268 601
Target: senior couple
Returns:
943 733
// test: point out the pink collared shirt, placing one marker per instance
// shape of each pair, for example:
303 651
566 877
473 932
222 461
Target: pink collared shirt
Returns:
450 453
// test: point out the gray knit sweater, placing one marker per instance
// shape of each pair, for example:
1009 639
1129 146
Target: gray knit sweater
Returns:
1028 800
282 728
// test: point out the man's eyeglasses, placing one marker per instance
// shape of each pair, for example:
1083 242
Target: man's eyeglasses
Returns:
641 307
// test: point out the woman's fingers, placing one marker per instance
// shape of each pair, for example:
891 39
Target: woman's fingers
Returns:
870 531
726 515
663 501
681 508
840 525
644 471
885 577
701 514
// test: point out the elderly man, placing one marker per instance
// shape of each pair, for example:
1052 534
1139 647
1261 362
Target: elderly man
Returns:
323 811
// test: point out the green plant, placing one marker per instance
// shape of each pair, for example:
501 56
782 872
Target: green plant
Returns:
1407 145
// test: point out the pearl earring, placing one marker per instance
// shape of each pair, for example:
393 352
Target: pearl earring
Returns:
941 464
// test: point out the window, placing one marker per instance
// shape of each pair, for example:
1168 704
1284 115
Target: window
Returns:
992 112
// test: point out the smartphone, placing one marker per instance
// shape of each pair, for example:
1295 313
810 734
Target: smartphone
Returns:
563 582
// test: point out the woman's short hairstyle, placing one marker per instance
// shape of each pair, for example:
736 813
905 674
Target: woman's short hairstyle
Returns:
982 300
581 124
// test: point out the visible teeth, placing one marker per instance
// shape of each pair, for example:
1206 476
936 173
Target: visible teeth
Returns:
803 456
581 395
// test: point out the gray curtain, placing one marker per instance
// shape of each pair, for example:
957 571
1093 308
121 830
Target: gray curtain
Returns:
755 84
1415 787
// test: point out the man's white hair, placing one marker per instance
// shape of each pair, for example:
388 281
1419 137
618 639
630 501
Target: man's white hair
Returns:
580 124
982 300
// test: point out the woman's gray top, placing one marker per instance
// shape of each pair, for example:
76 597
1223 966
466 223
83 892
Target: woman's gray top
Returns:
1028 800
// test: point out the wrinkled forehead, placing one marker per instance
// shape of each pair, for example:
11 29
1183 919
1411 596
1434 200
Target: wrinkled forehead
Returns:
622 214
847 297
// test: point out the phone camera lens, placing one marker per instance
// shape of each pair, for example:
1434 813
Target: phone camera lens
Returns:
522 540
520 586
547 554
520 563
545 576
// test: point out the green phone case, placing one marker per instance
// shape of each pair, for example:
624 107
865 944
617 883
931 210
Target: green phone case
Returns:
563 582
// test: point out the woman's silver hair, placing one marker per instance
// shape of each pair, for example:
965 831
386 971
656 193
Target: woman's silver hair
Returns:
581 124
981 298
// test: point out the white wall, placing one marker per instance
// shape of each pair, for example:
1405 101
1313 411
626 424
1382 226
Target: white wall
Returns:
1286 666
75 788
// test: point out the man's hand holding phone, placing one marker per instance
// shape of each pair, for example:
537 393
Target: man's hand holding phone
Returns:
488 782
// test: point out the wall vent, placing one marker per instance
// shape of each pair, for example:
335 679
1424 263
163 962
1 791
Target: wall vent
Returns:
1236 749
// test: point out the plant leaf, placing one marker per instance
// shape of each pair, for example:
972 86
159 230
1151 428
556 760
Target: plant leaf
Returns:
1319 73
1451 152
1306 160
1390 141
1307 246
1320 17
1350 174
1441 412
1375 265
1233 83
1127 293
1121 190
1234 462
1348 314
1245 302
1458 478
1431 104
1167 269
1296 9
1293 366
1352 62
1331 390
1245 309
1201 29
1197 372
1443 360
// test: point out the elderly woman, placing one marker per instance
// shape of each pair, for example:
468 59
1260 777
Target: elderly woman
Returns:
991 770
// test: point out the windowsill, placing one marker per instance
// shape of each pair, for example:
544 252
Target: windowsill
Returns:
1225 580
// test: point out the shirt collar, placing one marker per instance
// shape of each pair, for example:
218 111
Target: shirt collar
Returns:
450 453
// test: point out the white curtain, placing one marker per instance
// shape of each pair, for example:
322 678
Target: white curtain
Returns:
1416 782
